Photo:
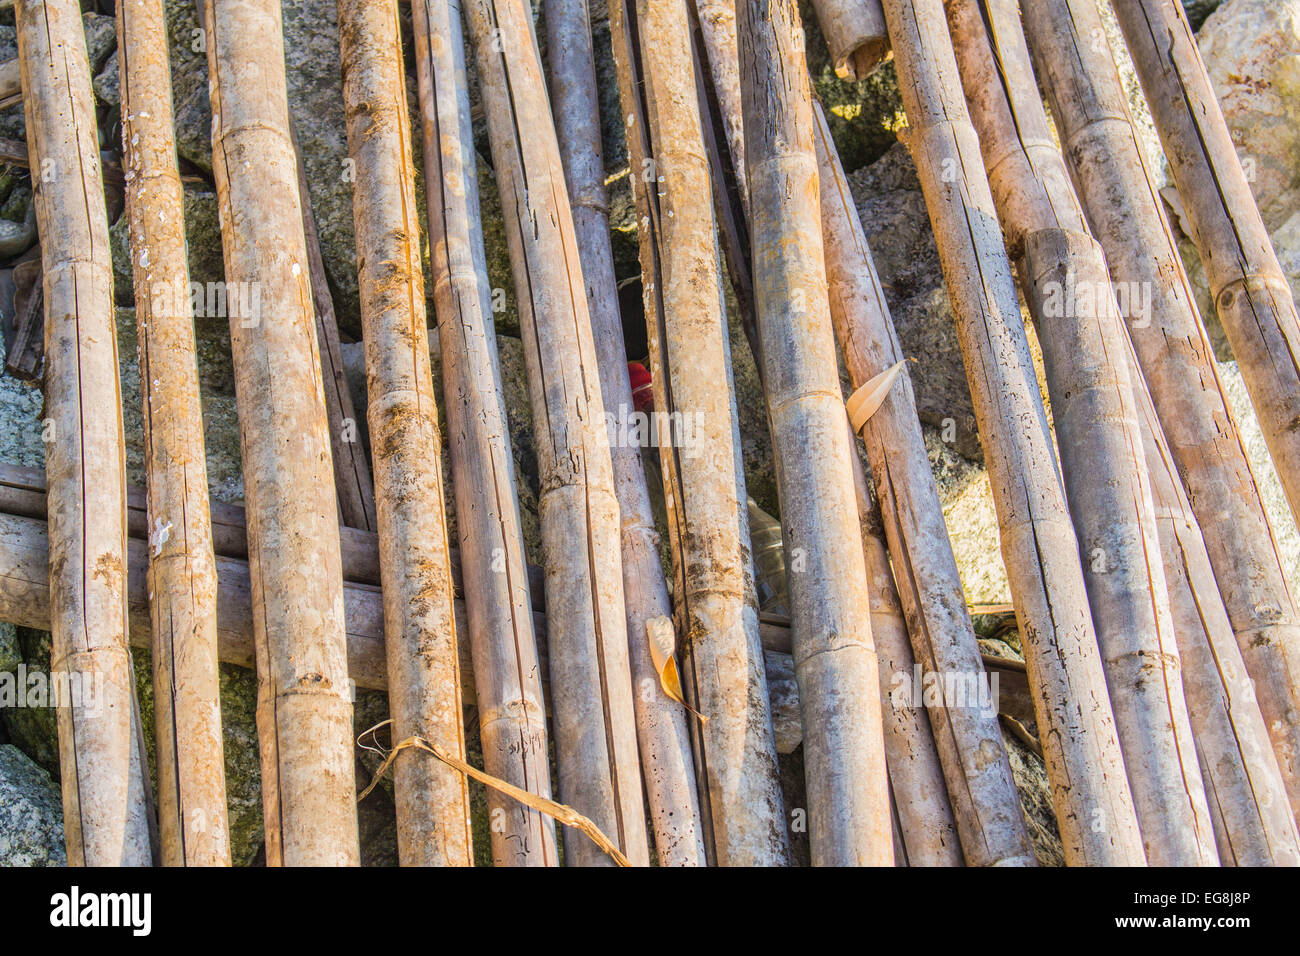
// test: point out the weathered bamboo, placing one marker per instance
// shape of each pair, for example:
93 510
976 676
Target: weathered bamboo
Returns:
969 739
595 728
925 826
1123 206
855 33
432 799
717 25
1064 277
192 821
835 662
497 590
304 710
1094 807
665 743
1248 285
105 814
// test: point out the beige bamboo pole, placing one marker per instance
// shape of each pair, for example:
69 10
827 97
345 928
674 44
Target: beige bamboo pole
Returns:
665 744
835 661
690 369
182 571
969 739
497 591
1120 197
717 24
595 729
1064 277
855 33
1248 285
105 812
1094 807
432 799
1123 205
304 706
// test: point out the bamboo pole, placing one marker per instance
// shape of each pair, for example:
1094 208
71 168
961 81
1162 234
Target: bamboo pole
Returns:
855 33
497 589
1120 197
713 588
969 739
1248 285
182 571
1094 807
304 710
665 743
1253 305
1064 277
105 812
432 799
595 729
835 660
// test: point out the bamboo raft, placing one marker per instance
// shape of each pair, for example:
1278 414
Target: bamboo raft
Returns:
1161 670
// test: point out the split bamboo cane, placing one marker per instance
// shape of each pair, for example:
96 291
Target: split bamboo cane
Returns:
105 810
595 728
1124 208
1064 277
1094 807
835 661
1122 203
182 572
855 34
1248 285
432 799
665 743
304 707
690 361
512 722
969 738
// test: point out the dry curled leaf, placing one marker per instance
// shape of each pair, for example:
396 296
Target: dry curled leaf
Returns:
863 403
663 642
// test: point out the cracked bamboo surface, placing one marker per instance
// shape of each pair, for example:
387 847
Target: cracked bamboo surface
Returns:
855 34
432 798
1123 206
665 743
105 780
193 828
1094 807
1249 288
594 725
512 722
715 602
1256 310
1064 277
835 661
304 709
969 740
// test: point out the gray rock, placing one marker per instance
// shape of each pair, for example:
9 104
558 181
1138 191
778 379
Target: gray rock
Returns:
31 813
101 38
107 84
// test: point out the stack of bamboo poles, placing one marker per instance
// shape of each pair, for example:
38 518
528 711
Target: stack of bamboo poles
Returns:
1160 636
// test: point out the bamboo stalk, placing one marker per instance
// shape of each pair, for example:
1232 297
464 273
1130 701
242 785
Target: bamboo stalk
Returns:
304 710
835 660
1094 807
1248 285
595 729
1121 200
182 571
1064 277
855 33
105 812
969 740
665 743
713 585
432 799
497 589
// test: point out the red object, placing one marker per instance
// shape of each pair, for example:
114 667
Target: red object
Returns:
642 394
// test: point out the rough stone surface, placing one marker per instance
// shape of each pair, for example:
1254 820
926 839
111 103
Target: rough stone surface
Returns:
31 813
